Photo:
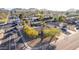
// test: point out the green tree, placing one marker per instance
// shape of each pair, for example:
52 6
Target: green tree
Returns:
51 32
61 18
55 18
67 13
21 16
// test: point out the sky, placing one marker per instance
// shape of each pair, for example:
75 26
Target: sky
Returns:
57 5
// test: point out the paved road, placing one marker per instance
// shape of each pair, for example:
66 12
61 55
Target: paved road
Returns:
69 43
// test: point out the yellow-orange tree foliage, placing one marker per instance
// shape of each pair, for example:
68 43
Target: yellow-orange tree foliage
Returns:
31 32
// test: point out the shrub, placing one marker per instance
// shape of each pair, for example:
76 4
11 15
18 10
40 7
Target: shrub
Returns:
31 32
50 32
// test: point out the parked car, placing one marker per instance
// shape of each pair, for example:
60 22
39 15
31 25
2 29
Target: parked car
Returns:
71 21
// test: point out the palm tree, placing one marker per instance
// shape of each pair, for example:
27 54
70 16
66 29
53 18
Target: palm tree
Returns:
41 18
52 32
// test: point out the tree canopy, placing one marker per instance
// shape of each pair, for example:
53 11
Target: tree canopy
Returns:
61 18
31 32
51 32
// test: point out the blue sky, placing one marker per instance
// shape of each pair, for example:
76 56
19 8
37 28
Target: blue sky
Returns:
59 5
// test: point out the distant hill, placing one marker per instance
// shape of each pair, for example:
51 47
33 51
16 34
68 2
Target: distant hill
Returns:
34 11
72 10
